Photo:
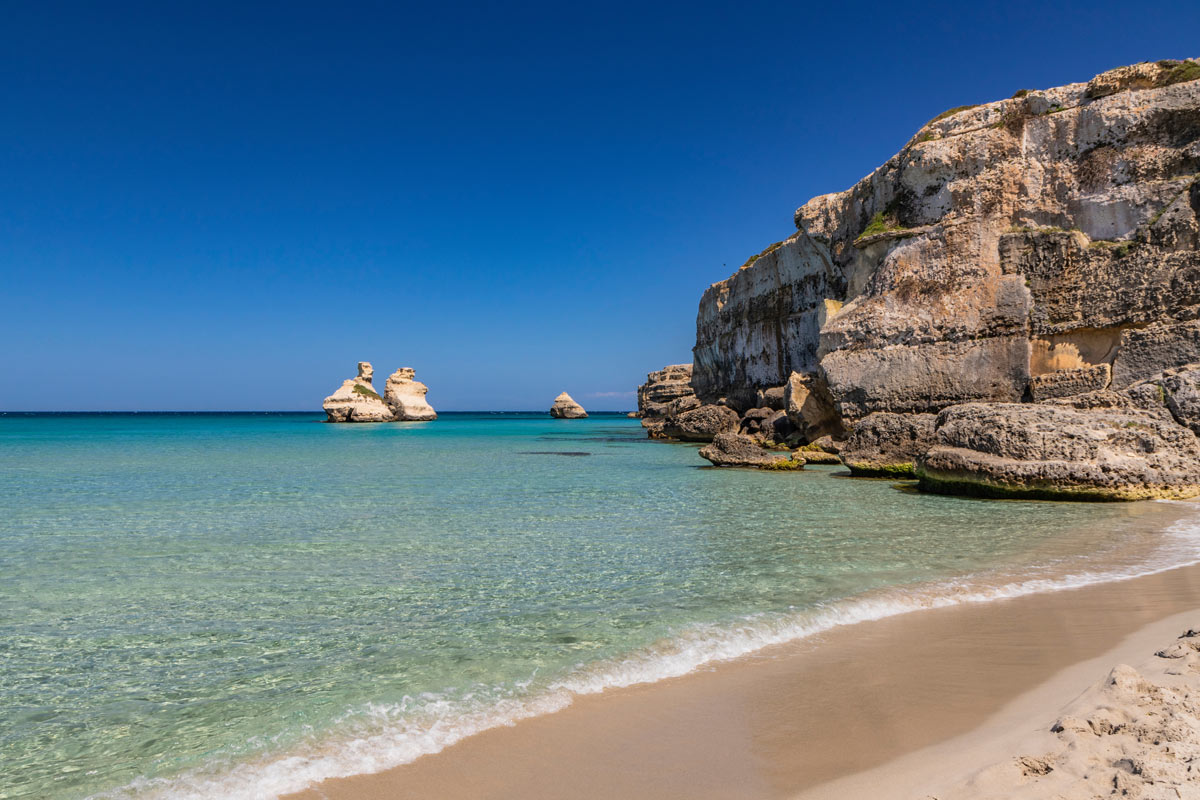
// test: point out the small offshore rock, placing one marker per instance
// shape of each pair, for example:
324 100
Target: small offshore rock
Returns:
566 408
356 400
405 395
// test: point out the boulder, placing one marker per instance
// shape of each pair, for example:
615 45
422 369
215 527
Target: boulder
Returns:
406 396
1100 447
662 387
777 428
752 420
809 406
1177 389
885 445
566 408
822 451
1145 352
700 424
736 450
772 398
356 400
666 392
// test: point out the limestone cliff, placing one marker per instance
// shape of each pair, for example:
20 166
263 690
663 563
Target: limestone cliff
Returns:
1047 245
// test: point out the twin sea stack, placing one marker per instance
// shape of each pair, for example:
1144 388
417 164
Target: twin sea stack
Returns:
357 400
1009 306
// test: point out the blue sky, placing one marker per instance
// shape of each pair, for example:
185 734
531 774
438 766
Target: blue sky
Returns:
225 206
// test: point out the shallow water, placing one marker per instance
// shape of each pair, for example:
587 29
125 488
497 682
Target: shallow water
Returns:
240 605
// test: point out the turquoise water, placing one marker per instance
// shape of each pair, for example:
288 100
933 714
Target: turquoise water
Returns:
239 605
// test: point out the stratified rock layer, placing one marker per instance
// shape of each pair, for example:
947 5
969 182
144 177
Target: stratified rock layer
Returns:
1098 447
566 408
886 445
1031 245
700 424
662 387
737 450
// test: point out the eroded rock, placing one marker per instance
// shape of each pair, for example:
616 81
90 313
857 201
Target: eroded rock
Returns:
737 450
885 445
1055 230
1062 451
701 424
1177 389
809 406
1069 382
405 395
566 408
356 400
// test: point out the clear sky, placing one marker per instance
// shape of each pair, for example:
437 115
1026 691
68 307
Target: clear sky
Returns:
225 206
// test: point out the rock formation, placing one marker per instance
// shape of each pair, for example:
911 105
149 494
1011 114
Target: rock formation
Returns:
662 387
1013 247
737 450
357 400
1179 389
700 424
666 391
884 445
405 395
1100 447
566 408
1029 269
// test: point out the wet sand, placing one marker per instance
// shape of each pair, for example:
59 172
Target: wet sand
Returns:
891 708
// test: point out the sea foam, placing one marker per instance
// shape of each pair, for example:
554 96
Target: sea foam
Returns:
397 734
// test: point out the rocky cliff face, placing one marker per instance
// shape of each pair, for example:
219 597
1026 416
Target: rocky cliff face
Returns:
1046 244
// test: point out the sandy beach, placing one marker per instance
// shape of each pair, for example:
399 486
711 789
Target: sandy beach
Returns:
910 706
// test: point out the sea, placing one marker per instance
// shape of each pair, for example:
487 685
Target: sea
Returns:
241 605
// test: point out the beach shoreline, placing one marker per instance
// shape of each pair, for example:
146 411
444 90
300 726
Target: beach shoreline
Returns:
885 707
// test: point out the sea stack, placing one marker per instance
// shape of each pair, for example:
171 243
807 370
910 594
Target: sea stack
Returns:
566 408
405 396
357 400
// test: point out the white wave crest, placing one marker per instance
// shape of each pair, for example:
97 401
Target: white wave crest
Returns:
403 732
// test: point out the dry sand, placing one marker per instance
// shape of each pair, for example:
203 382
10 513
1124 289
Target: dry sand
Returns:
908 707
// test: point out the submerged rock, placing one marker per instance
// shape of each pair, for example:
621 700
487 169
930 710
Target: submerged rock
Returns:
1098 447
566 408
823 451
737 450
405 395
357 400
884 445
